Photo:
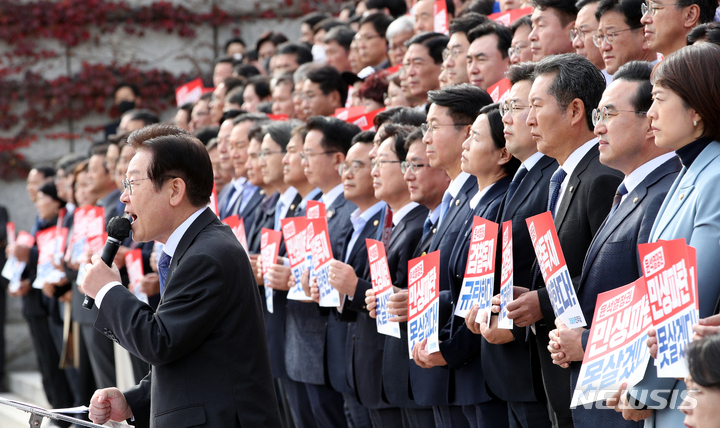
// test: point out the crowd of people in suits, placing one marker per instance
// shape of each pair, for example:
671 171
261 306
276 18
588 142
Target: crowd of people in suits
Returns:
608 122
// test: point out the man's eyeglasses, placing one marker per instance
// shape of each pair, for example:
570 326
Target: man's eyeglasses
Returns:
434 127
600 116
515 50
610 36
379 164
652 7
451 53
264 154
575 32
305 155
510 106
412 166
354 167
128 184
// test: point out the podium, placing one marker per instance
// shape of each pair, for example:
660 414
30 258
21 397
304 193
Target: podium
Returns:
37 414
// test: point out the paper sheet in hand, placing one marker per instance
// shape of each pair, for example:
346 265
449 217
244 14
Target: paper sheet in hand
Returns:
506 276
424 301
269 247
479 280
382 287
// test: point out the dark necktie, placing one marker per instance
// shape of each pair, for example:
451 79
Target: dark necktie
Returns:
427 225
519 175
555 185
226 208
621 191
163 266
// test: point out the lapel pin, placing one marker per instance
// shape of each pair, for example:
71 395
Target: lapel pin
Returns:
457 202
376 222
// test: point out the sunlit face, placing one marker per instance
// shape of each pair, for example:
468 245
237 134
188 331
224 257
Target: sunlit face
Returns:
443 141
628 45
549 36
283 99
220 176
546 120
485 63
306 33
320 165
372 47
223 144
182 119
388 180
358 186
480 156
586 26
82 196
250 99
672 121
705 413
99 176
315 103
217 103
521 44
271 166
421 71
34 180
252 165
337 56
47 207
222 71
397 48
112 155
427 185
235 49
285 63
238 147
664 29
622 136
518 140
126 154
455 62
298 100
200 116
424 16
292 162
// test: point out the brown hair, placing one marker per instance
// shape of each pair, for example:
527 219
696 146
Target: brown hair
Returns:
691 73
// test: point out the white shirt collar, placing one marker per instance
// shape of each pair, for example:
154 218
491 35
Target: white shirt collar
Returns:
475 199
359 219
176 236
239 183
287 197
457 184
398 215
532 160
575 157
329 197
636 177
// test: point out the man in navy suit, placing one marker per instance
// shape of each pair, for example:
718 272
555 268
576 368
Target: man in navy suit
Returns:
452 111
626 144
566 89
315 339
505 357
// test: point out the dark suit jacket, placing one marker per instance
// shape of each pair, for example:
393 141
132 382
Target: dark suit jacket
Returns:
430 386
315 339
507 367
585 204
206 342
459 346
264 217
250 212
612 261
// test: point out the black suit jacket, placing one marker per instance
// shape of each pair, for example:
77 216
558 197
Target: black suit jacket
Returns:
614 249
250 212
205 342
430 386
507 367
459 346
585 204
264 218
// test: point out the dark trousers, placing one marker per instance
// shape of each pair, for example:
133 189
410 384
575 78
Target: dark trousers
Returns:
528 415
450 417
55 383
298 403
418 418
494 414
327 406
102 356
386 418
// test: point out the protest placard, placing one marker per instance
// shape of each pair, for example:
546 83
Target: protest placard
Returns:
382 287
424 301
95 237
293 230
440 17
506 276
479 279
672 295
500 90
14 268
508 17
48 241
554 270
237 224
135 271
269 247
616 352
321 257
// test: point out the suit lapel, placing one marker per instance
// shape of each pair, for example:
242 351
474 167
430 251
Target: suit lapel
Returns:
527 186
199 224
497 190
369 231
573 183
462 198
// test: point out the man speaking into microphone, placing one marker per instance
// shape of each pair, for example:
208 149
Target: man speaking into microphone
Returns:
205 342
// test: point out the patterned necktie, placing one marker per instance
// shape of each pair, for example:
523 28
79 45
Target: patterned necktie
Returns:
519 175
621 191
555 185
163 266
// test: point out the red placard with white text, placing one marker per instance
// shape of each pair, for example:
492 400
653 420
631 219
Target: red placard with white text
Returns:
189 92
479 279
321 257
382 287
506 276
554 270
49 242
616 352
315 209
670 277
366 120
269 247
500 90
293 230
10 232
347 112
25 239
440 16
237 225
135 271
424 301
508 17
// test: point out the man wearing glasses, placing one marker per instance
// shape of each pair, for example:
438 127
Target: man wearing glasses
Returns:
586 26
619 36
323 92
454 61
667 24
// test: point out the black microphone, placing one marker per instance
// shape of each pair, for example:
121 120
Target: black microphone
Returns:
118 230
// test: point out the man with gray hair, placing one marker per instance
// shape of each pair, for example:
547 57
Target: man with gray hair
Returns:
397 33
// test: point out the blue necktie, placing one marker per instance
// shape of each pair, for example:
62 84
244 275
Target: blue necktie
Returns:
278 212
555 185
427 226
621 191
163 266
519 175
225 210
445 205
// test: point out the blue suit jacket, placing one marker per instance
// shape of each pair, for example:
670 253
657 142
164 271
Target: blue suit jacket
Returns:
430 386
459 346
612 261
691 210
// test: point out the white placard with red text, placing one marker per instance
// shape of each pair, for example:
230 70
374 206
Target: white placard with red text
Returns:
554 270
135 271
616 351
506 276
424 301
670 277
269 247
382 287
479 279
